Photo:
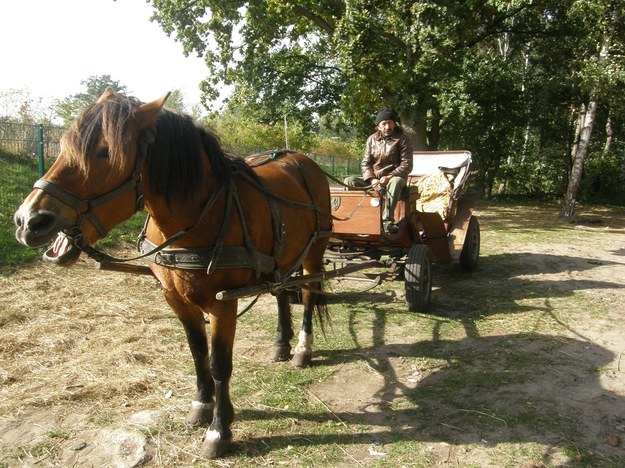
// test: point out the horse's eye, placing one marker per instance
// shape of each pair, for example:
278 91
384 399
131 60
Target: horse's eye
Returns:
103 154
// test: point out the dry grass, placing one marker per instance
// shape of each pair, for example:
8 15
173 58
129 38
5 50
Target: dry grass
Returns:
521 362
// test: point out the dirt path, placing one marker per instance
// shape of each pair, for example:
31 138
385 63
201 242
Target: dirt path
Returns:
80 350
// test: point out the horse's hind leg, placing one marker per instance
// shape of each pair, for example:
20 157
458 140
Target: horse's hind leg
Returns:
282 345
192 318
312 301
302 355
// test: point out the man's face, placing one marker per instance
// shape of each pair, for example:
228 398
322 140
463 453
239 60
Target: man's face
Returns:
386 127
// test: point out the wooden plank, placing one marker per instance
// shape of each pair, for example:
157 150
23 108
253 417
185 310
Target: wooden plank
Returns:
124 267
263 288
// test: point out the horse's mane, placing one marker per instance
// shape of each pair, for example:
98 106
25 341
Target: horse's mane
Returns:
173 159
174 162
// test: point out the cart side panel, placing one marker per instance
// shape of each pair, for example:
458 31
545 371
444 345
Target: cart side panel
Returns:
464 208
434 231
357 213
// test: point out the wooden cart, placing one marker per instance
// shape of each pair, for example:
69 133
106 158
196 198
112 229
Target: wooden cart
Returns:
435 225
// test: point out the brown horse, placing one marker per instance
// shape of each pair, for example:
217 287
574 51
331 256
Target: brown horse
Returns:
215 223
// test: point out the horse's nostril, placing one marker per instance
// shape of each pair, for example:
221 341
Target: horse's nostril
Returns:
17 219
39 221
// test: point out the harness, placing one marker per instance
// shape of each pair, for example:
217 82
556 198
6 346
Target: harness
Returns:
220 256
195 258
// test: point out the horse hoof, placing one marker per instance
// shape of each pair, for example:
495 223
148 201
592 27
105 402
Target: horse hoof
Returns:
281 353
215 448
301 359
200 414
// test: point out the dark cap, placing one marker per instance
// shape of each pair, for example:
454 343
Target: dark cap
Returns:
385 114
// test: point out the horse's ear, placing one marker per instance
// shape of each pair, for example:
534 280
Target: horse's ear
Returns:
148 111
108 93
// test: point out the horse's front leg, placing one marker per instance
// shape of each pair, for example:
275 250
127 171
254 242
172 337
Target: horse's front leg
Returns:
223 319
192 318
282 345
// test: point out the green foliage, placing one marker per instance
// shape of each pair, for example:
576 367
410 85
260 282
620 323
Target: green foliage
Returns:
175 102
497 78
242 136
69 108
602 183
336 147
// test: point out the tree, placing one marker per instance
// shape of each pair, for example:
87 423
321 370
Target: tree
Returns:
69 108
175 102
601 71
311 57
497 77
17 105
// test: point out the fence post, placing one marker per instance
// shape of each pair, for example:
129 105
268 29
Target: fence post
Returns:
40 149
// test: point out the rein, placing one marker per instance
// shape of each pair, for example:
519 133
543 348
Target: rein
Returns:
271 155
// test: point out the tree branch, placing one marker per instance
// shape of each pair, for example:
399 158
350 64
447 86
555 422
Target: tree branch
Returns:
315 18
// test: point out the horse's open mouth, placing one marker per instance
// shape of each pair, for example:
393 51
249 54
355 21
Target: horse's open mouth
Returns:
63 252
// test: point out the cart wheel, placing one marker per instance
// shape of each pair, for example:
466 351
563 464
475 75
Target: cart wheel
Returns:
471 248
418 278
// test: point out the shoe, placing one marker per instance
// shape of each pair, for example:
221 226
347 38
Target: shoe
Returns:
391 228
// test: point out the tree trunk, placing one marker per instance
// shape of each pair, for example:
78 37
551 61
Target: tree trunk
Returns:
609 133
435 129
415 127
579 155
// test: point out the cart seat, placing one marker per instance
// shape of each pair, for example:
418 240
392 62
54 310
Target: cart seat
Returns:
455 163
437 178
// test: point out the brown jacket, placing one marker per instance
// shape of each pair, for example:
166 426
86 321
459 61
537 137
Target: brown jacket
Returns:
387 156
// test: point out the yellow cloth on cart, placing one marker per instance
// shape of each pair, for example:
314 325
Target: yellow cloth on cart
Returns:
435 191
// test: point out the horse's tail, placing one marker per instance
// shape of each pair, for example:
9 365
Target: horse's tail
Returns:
320 310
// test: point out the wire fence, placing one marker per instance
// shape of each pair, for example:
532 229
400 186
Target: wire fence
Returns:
27 151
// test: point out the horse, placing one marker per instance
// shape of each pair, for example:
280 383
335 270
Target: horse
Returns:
215 223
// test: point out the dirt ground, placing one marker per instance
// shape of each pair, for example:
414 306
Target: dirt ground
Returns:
79 349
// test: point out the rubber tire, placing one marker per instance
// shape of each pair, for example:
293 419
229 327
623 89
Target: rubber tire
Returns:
470 254
418 278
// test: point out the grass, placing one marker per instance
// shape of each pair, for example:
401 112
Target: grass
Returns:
16 179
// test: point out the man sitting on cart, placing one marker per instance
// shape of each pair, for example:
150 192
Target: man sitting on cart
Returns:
386 165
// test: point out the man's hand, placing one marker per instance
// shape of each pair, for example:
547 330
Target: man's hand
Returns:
374 182
384 180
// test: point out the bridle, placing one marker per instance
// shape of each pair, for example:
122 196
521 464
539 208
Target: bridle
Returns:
85 208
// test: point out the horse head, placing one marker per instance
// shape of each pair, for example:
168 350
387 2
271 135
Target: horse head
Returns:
95 182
